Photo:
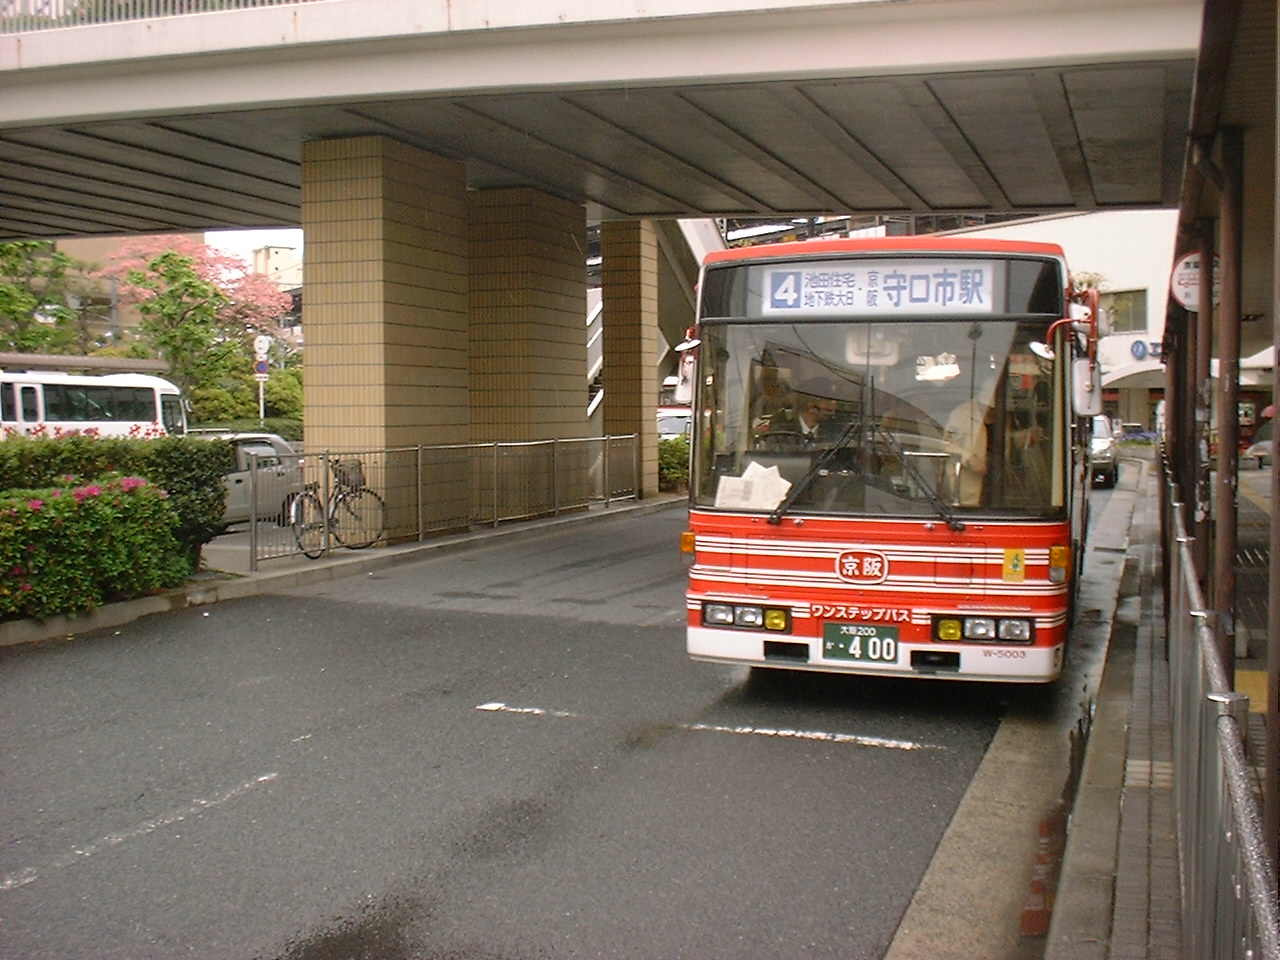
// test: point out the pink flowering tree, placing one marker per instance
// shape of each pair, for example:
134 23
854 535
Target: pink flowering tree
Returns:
200 310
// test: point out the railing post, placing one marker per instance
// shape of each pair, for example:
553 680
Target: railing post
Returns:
328 492
419 512
495 484
608 449
555 476
253 512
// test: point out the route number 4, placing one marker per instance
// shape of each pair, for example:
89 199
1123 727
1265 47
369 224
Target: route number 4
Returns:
786 290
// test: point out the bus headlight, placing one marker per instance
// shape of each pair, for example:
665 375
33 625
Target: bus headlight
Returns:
979 628
748 616
719 614
1018 631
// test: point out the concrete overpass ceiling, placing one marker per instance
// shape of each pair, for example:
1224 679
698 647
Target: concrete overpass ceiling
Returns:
804 112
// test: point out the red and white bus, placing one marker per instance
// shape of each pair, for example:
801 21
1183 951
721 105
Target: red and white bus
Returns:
890 463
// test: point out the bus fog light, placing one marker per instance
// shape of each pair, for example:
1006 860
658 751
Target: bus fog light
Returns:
748 616
1019 630
949 630
719 613
775 619
979 628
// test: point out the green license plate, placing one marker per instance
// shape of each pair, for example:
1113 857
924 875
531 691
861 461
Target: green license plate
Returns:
860 641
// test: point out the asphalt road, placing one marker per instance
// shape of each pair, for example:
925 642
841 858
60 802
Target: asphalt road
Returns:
498 752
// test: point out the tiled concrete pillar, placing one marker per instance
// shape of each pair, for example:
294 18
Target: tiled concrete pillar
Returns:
528 309
629 290
385 314
528 304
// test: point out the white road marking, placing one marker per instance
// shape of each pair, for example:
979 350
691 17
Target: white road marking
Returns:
78 854
861 740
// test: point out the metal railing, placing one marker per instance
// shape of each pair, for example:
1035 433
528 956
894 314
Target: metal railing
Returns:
409 494
1229 904
27 16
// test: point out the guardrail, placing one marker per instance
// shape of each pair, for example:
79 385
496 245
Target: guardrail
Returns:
26 16
1229 905
357 499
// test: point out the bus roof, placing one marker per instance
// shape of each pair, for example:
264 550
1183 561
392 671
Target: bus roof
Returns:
107 379
929 243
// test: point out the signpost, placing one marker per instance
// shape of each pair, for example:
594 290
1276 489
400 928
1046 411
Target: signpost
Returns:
261 368
1184 284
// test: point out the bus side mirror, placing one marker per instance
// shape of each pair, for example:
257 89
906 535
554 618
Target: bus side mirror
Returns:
1086 387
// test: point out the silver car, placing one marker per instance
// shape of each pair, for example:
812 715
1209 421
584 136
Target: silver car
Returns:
278 477
1105 465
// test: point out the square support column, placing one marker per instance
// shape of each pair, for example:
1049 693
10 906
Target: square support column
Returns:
385 315
528 305
629 291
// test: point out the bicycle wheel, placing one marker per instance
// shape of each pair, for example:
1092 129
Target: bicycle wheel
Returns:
359 519
307 518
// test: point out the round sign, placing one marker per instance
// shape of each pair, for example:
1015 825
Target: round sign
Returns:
260 366
261 344
1184 285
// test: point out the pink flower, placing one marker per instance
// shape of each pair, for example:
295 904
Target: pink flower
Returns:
25 586
35 505
82 493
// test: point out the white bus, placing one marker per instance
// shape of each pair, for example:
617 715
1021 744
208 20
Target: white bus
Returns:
53 403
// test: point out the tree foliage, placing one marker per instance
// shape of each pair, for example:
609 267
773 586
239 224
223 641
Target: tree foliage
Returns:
252 302
35 315
201 309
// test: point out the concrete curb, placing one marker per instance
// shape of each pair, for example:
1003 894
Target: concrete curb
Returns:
231 586
1083 912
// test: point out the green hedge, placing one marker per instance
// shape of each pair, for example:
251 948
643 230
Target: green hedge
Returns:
70 548
190 471
673 464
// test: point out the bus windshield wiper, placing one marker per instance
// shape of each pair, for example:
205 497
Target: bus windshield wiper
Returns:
877 429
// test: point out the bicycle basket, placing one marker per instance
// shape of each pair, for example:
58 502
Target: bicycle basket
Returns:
349 474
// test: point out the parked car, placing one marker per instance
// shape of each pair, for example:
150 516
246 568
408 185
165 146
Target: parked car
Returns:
674 422
1260 448
1104 461
278 478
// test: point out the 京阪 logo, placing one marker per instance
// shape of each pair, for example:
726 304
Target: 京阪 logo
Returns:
862 566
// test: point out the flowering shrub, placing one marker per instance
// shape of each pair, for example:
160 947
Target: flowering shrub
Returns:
74 546
188 469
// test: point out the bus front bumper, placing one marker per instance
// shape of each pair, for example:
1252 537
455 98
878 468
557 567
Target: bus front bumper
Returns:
957 661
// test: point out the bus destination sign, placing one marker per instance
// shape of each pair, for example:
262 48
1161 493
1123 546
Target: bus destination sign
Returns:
879 288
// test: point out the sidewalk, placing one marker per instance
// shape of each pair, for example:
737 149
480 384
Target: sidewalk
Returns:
1119 894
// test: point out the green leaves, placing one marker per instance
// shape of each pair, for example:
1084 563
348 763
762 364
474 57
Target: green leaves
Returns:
34 284
181 320
74 546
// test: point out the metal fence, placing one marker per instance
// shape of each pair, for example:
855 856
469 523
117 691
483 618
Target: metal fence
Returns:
1229 904
356 499
26 16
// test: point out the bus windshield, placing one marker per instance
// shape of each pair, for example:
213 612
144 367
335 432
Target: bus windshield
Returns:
947 417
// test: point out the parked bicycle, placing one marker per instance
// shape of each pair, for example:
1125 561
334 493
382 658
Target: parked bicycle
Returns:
356 517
